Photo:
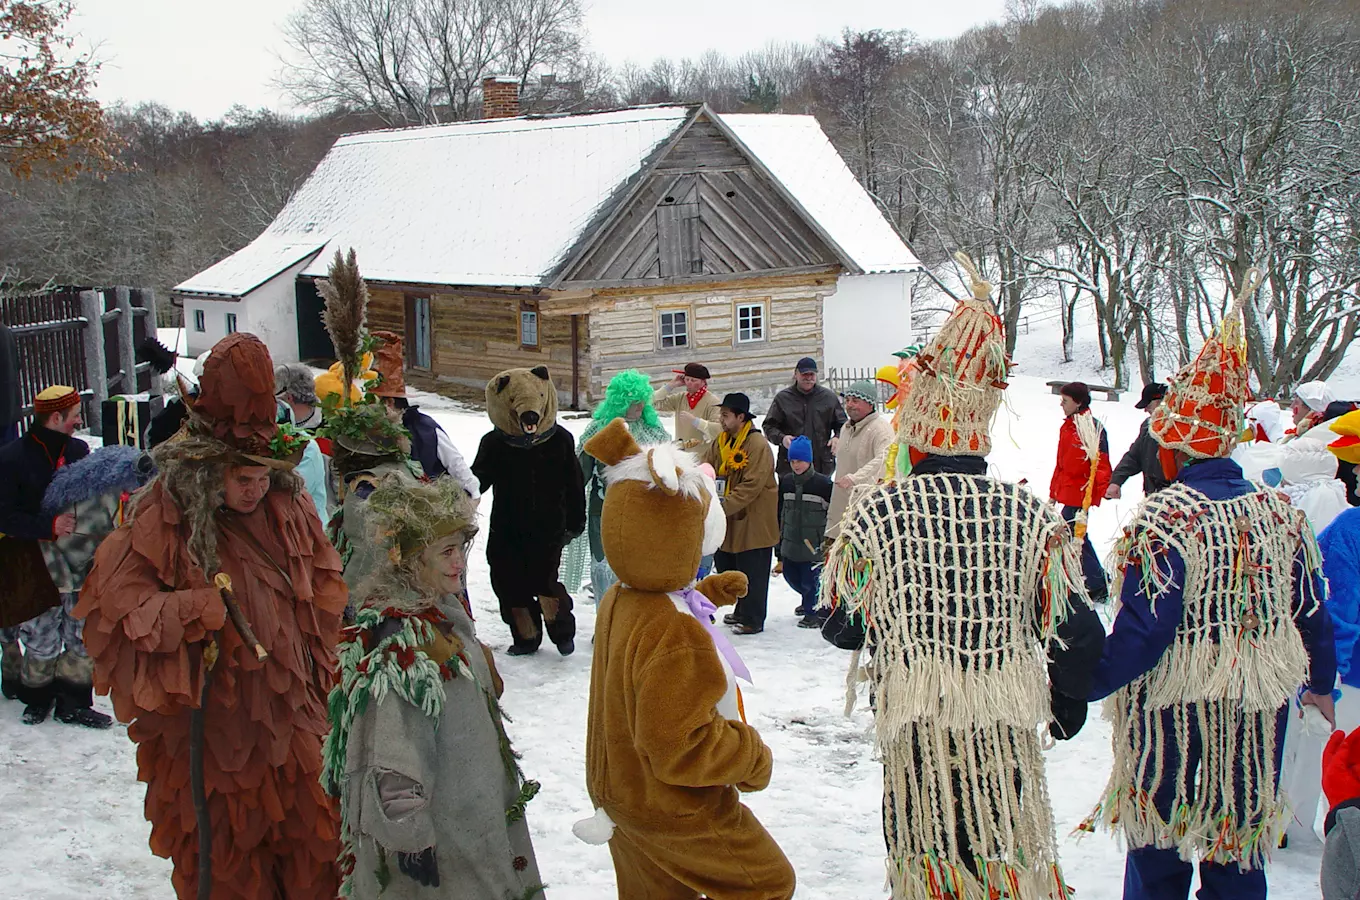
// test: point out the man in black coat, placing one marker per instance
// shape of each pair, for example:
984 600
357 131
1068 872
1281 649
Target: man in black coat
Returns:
1142 455
29 603
805 408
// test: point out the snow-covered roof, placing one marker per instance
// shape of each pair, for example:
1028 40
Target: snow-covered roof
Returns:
252 265
501 202
798 154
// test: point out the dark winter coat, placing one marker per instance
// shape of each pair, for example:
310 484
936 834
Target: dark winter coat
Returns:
803 504
165 423
424 441
29 464
540 497
1142 456
1073 469
817 415
1073 652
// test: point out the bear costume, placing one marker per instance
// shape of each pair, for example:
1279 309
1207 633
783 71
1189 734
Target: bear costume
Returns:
667 750
538 507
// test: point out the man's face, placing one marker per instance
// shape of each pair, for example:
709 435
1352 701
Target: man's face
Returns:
1069 406
694 385
66 421
1299 410
857 408
731 422
1153 404
246 487
806 380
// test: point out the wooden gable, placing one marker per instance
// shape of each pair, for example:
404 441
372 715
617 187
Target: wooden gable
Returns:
703 211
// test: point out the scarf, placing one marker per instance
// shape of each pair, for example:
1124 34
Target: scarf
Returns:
729 450
695 397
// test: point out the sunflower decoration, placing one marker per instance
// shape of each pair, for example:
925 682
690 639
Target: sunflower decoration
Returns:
738 459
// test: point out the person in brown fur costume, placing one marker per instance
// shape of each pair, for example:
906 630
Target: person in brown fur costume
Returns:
201 703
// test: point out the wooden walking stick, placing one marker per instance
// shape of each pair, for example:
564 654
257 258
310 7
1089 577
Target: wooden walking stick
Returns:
197 788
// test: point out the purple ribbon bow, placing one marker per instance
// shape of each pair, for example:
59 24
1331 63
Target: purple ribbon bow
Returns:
703 610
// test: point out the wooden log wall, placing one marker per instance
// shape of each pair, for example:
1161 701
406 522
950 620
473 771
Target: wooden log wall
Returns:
474 337
623 334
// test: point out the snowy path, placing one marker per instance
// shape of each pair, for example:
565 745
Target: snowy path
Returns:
71 808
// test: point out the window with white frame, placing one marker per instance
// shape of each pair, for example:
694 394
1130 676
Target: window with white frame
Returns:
200 320
672 329
231 323
750 322
528 327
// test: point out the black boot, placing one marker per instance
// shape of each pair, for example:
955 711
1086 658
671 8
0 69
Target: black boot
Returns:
75 706
39 700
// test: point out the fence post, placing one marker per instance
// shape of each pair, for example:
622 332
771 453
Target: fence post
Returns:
127 343
92 308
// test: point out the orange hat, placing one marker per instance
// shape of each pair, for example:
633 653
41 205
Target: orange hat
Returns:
56 398
1202 415
236 405
1346 447
389 362
960 377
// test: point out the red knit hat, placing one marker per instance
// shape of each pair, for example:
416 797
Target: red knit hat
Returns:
1202 414
57 398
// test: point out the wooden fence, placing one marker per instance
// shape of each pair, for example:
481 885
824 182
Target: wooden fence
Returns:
84 337
838 379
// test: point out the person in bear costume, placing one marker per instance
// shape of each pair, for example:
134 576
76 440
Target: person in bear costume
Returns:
667 747
538 508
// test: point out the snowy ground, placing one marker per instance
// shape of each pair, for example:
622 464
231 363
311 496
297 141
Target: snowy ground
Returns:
70 805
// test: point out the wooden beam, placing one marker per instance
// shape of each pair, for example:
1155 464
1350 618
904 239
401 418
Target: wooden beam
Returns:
651 286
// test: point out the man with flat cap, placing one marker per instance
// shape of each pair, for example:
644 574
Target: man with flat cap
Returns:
749 492
1142 453
686 396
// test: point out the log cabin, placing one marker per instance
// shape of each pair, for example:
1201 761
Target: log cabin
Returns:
639 238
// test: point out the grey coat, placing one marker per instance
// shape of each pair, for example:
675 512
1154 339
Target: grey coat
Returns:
413 782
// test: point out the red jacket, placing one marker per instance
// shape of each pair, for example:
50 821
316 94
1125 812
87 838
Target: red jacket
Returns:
1074 468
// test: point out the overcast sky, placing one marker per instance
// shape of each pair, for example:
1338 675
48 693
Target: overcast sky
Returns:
206 55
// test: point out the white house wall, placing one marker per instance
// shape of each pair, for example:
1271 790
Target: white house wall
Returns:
867 319
269 312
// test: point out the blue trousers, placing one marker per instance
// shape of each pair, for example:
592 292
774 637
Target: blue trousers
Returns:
1153 874
1092 572
803 578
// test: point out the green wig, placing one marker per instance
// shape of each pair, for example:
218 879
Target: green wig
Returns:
625 389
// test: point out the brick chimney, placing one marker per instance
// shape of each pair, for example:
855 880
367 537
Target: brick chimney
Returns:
500 97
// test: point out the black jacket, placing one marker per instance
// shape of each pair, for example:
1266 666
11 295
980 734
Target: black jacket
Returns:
165 423
1073 652
28 464
817 414
804 501
540 496
1142 456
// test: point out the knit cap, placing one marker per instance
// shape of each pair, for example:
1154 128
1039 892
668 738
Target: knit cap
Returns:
57 398
801 448
961 375
1202 415
864 390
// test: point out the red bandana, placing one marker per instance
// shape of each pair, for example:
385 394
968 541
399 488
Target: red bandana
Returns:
696 397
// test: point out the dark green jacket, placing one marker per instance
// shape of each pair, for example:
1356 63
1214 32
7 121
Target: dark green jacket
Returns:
803 504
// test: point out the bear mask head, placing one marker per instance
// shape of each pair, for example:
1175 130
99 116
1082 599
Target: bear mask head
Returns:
660 513
522 403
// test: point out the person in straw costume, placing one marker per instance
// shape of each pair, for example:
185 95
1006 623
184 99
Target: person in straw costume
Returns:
228 717
961 582
1220 619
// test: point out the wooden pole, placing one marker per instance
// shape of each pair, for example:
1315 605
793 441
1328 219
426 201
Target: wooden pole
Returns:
96 375
127 343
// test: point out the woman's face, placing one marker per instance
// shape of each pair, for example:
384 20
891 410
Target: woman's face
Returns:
245 487
634 412
443 564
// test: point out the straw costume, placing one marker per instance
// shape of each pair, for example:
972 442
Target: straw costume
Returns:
625 389
432 797
960 582
228 718
1220 619
667 746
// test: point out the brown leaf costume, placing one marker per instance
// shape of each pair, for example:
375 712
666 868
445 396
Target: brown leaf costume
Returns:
149 611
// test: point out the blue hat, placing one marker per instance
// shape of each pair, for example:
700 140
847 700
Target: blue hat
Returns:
801 448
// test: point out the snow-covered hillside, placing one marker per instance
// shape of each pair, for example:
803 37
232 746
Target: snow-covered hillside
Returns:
70 805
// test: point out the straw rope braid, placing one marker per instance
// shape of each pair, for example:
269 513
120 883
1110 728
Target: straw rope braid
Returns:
1088 432
961 689
1236 660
